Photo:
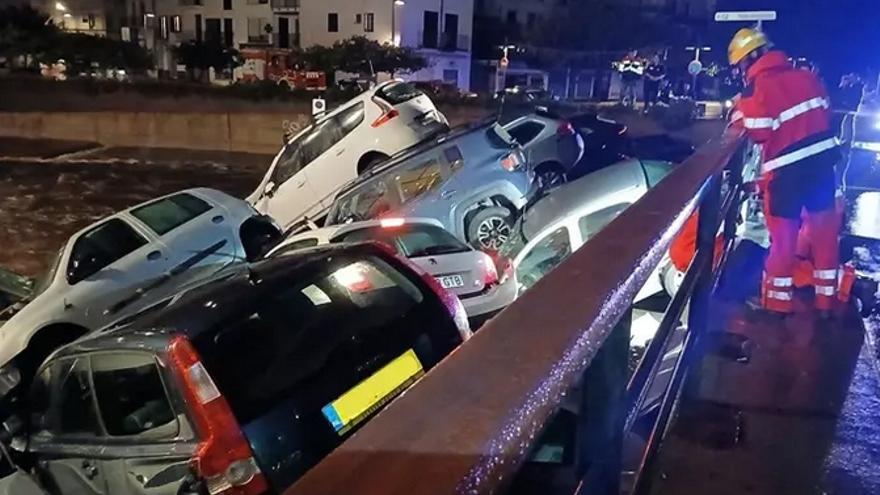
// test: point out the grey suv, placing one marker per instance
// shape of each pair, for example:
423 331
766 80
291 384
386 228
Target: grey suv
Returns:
473 180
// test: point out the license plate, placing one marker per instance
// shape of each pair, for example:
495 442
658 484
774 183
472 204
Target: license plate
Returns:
356 405
451 281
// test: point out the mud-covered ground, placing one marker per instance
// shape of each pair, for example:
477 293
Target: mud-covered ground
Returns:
43 203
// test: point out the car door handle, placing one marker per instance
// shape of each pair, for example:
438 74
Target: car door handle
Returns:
154 255
448 194
90 470
301 185
340 152
218 219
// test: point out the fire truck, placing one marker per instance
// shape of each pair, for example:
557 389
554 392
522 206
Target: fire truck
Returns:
276 64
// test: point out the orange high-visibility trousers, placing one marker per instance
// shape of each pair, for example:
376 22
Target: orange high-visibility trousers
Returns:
804 192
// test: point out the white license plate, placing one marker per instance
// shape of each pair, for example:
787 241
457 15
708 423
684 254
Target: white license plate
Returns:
451 281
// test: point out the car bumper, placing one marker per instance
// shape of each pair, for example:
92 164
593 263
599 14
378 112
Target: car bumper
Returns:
486 305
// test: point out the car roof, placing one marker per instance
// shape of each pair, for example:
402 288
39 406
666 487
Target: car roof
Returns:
415 150
571 197
203 306
331 231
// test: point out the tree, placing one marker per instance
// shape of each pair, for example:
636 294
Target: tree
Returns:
361 55
198 56
25 33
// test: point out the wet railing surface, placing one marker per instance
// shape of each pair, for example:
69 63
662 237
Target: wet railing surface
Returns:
469 424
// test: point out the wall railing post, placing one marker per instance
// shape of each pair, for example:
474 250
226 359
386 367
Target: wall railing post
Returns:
602 413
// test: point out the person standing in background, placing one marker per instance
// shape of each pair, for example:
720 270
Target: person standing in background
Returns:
655 73
632 69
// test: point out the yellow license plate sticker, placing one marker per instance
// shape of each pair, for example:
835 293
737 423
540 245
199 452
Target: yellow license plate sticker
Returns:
363 399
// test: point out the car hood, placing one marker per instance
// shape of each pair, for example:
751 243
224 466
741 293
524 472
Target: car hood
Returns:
14 285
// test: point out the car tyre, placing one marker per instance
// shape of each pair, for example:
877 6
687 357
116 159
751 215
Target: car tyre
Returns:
550 176
490 228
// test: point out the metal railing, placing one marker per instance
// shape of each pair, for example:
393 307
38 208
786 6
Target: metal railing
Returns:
469 425
445 42
286 5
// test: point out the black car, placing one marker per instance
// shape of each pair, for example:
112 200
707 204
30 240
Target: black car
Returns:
241 385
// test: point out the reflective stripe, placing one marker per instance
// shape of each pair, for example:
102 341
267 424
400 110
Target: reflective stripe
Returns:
868 146
737 115
786 115
825 291
825 274
779 296
765 123
800 109
798 155
783 282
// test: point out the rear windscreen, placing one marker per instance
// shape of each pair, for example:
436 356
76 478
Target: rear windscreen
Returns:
411 240
323 330
398 92
498 137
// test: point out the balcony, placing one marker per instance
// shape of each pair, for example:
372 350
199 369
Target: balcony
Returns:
446 43
285 5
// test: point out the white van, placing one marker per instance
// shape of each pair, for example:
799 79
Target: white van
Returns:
342 144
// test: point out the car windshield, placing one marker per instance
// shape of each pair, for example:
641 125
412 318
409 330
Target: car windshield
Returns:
398 92
367 201
410 240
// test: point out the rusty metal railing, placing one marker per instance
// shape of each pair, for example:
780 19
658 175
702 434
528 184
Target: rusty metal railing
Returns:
468 425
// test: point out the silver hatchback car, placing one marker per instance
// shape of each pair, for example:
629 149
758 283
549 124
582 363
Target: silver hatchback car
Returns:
469 274
473 180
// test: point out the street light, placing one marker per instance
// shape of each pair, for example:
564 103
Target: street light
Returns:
60 7
395 40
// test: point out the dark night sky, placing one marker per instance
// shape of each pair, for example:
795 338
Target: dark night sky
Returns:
842 35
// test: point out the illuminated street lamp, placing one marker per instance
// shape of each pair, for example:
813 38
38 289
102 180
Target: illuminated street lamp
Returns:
60 7
395 40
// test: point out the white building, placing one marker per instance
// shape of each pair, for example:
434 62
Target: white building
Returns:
440 30
528 13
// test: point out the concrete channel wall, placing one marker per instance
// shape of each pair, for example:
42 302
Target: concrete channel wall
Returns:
240 132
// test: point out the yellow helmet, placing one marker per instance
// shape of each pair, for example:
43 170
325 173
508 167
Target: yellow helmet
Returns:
744 42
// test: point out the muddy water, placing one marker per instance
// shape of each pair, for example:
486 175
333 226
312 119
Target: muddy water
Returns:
42 204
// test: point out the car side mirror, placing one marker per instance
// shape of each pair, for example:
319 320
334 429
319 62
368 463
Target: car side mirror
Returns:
269 191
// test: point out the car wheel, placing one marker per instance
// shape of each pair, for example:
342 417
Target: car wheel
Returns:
550 177
489 228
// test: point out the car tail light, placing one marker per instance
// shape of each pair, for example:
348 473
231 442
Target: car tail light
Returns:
224 458
490 274
512 161
388 113
450 301
390 223
565 129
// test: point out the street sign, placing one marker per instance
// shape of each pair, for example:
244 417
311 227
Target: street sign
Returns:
746 16
319 106
695 67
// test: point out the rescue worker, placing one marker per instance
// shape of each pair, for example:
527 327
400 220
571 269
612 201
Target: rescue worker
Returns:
786 111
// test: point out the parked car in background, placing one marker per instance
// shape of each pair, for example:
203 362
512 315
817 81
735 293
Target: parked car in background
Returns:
473 180
243 384
551 145
469 274
342 144
122 262
562 221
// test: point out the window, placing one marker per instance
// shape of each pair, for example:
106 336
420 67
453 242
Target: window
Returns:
256 30
301 244
332 22
131 396
450 32
430 29
410 240
100 247
526 131
227 4
198 24
167 214
543 258
367 201
330 324
212 31
368 23
499 138
176 25
414 180
228 38
591 224
655 171
350 118
63 401
321 139
398 92
289 162
531 19
453 157
450 76
357 18
511 17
